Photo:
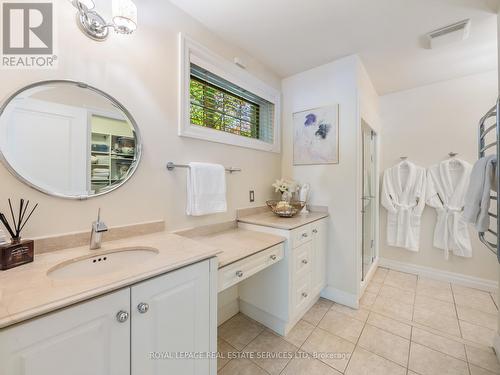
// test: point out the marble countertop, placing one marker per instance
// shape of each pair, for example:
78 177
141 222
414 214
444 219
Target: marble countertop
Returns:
234 243
27 291
269 219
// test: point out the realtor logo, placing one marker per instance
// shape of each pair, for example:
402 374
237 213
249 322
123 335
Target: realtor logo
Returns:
28 35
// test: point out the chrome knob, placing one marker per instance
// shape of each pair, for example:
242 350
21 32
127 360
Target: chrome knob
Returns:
315 231
304 235
304 261
273 257
143 307
304 295
122 316
239 273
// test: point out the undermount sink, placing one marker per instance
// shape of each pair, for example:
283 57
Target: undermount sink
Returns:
100 264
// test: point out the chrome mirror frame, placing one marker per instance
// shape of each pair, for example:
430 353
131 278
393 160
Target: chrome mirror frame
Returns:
116 103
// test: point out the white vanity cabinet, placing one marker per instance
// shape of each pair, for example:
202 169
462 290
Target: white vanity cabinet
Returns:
138 330
281 295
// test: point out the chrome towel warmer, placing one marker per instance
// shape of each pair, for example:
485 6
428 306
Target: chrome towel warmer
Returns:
483 147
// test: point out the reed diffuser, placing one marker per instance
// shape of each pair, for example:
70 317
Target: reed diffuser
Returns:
19 251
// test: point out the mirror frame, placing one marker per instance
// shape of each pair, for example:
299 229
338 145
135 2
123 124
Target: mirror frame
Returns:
116 103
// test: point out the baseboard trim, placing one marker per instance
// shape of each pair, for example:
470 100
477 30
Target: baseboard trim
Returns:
263 317
433 273
227 311
340 296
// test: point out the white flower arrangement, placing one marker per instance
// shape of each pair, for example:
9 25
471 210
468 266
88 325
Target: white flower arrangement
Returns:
284 185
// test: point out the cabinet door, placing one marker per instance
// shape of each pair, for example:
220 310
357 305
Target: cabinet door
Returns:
319 235
171 317
80 340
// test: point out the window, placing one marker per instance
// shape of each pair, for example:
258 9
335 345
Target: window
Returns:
224 103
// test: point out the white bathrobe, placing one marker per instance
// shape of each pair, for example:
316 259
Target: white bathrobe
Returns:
403 195
447 184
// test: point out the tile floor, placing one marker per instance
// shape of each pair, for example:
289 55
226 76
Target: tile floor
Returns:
406 325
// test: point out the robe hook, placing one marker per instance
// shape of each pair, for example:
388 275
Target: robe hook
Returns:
452 154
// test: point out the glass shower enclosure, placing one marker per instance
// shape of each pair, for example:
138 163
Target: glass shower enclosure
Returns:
368 198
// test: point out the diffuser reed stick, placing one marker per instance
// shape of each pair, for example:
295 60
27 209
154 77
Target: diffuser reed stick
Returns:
17 225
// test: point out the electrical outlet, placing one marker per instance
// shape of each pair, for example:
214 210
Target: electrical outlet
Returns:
252 196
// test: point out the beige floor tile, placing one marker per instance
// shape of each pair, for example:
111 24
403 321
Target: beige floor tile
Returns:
392 308
401 280
476 370
239 331
380 275
241 367
268 342
298 335
367 299
223 349
438 306
359 314
385 344
436 289
317 311
475 333
406 296
439 343
390 325
475 299
477 317
426 361
494 295
373 287
364 362
308 365
330 349
342 325
412 373
485 359
440 322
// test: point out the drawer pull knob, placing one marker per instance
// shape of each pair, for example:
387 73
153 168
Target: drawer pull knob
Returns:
315 231
273 257
305 261
239 273
122 316
143 307
304 235
304 294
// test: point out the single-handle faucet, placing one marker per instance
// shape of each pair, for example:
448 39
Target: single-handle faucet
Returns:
98 228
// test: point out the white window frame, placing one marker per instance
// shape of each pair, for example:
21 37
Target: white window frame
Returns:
192 52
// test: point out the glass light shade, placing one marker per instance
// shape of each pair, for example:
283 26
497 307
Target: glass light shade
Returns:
124 16
89 4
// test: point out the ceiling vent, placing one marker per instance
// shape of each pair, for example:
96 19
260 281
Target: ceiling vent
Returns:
449 34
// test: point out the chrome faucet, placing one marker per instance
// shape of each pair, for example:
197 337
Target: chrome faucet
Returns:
98 228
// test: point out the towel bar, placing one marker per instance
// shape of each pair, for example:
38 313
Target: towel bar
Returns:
171 166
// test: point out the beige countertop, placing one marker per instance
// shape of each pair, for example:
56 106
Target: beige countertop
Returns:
269 219
234 243
27 291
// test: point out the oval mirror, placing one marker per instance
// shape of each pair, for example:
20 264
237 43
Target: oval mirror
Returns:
68 139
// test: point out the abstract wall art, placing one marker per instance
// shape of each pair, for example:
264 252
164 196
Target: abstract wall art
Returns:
316 136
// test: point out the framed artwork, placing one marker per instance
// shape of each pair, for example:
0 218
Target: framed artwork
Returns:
316 136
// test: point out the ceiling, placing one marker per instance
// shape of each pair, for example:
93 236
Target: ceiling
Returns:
290 36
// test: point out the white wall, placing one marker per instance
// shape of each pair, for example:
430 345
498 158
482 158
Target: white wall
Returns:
336 186
141 71
425 124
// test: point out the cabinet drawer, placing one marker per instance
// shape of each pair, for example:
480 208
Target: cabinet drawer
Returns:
302 293
302 259
301 235
243 269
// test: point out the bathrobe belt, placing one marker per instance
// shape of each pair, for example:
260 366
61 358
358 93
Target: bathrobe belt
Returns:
455 214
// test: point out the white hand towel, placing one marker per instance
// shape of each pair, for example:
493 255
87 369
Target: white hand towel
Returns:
206 189
477 200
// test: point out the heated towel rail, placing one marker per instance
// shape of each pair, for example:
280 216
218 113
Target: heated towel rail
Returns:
489 143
